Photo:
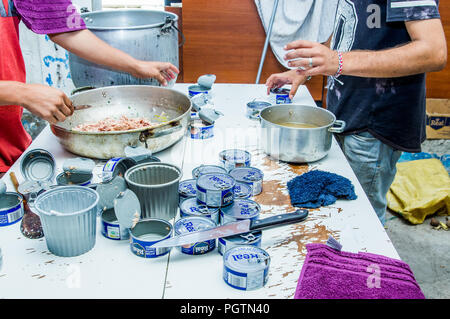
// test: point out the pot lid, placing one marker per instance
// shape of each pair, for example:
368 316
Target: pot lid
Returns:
79 165
209 115
108 192
127 209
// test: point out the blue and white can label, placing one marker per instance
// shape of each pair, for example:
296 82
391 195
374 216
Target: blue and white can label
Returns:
249 239
215 190
187 189
111 228
246 267
148 232
11 208
251 176
108 168
191 207
280 96
201 131
197 89
240 209
191 224
242 190
234 158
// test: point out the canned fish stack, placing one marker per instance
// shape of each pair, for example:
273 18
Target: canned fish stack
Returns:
221 194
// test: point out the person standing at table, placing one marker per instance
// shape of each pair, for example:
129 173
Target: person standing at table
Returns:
375 60
64 26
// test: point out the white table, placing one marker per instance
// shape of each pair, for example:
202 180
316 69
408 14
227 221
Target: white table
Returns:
110 270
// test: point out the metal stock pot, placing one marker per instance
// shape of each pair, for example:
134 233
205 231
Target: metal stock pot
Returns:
298 145
133 101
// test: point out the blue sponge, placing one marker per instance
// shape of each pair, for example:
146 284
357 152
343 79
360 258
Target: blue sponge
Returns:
318 188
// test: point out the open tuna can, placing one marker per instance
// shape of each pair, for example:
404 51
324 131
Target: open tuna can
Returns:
156 186
68 215
38 165
111 228
148 232
11 208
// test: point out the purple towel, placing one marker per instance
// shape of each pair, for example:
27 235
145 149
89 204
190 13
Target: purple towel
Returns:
332 274
49 16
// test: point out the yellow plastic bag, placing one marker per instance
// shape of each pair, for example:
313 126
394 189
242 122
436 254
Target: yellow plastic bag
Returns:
420 188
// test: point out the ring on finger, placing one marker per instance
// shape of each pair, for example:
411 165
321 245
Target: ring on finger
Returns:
310 62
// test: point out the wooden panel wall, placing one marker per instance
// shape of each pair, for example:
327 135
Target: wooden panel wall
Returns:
438 83
226 38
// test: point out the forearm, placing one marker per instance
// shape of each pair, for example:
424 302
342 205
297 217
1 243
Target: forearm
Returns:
413 58
10 92
87 46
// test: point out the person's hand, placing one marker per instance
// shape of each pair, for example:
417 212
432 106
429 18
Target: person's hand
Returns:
46 102
162 71
311 58
277 80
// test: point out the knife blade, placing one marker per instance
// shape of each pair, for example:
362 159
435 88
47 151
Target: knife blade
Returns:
234 228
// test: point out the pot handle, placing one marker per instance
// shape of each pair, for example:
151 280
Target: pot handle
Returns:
168 25
337 127
160 131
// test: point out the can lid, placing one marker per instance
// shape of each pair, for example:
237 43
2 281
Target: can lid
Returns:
29 187
127 208
108 191
192 207
242 190
137 153
207 169
193 223
188 187
216 181
206 80
198 88
242 209
247 174
258 105
235 156
280 91
246 258
38 165
209 115
79 165
68 178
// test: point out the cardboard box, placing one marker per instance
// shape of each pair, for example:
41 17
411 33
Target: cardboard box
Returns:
438 119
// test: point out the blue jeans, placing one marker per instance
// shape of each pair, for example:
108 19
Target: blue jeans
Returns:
373 163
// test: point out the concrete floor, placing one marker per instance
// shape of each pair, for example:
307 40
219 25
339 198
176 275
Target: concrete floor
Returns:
426 250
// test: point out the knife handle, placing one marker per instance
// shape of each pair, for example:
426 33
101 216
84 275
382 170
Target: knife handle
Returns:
278 220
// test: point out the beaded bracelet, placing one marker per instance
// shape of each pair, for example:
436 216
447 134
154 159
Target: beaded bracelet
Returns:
341 64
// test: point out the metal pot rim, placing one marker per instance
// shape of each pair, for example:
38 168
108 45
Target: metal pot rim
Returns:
303 106
62 188
138 130
147 26
135 168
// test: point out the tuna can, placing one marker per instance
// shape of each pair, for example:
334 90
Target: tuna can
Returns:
280 96
197 89
11 208
246 267
249 239
38 165
148 232
67 178
242 190
240 209
191 207
234 158
111 228
207 169
255 107
187 189
249 175
117 167
192 224
215 190
200 130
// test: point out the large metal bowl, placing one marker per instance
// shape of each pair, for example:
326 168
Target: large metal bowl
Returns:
130 100
298 145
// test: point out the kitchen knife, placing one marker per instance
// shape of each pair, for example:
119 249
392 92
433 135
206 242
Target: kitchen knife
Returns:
234 228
